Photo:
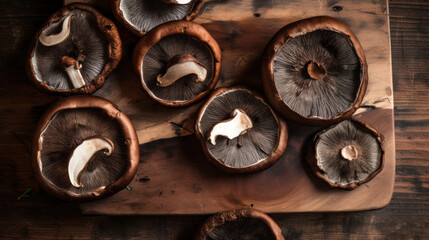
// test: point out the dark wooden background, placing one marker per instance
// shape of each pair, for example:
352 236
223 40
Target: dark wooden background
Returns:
38 216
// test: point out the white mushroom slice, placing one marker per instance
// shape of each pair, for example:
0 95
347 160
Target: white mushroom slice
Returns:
231 128
82 155
52 40
179 66
72 68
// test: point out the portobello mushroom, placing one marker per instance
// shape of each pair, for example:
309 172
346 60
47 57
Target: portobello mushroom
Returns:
140 16
74 52
315 72
243 224
84 148
347 154
178 63
239 132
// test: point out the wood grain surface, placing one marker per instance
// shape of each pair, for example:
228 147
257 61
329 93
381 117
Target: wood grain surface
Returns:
37 216
179 180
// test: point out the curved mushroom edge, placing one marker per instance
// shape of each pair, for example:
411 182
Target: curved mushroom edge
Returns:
228 216
276 154
312 158
127 127
114 50
119 15
296 29
171 28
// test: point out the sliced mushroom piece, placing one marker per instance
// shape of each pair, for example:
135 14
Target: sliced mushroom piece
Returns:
84 149
140 16
315 72
179 66
243 224
178 63
84 38
347 154
231 128
252 140
83 153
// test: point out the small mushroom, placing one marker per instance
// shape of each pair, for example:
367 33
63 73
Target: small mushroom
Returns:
178 63
315 72
243 224
83 153
74 52
239 132
231 128
179 66
347 154
84 148
140 16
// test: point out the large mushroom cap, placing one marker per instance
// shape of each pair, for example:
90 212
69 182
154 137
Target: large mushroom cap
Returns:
74 52
84 148
178 63
347 154
239 132
243 224
315 71
140 16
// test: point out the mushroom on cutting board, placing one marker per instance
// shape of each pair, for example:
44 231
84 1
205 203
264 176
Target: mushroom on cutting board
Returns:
74 52
315 72
347 154
140 16
242 224
84 148
178 63
239 132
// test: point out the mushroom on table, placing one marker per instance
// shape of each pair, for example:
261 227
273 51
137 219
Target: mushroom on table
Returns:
239 132
315 72
74 52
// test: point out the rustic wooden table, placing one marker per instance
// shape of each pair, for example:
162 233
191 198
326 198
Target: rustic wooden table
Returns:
38 216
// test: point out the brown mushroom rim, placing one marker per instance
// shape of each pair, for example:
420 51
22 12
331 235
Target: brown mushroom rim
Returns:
223 217
303 27
171 28
278 150
321 174
119 15
127 129
114 50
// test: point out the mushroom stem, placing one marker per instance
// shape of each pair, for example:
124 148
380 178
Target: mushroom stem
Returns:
83 154
177 2
231 128
349 152
72 68
315 70
55 39
179 66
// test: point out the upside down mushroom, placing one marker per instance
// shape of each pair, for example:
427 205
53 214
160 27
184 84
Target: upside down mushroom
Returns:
239 132
140 16
178 63
74 52
242 224
347 154
84 148
315 72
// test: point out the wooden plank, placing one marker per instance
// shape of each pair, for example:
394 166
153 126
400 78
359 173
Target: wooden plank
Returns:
181 182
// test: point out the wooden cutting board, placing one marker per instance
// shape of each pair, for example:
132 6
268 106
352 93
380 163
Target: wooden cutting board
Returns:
174 176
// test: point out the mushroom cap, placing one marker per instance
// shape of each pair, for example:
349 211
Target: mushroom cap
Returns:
239 224
63 127
327 160
99 45
318 94
140 16
259 148
158 46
